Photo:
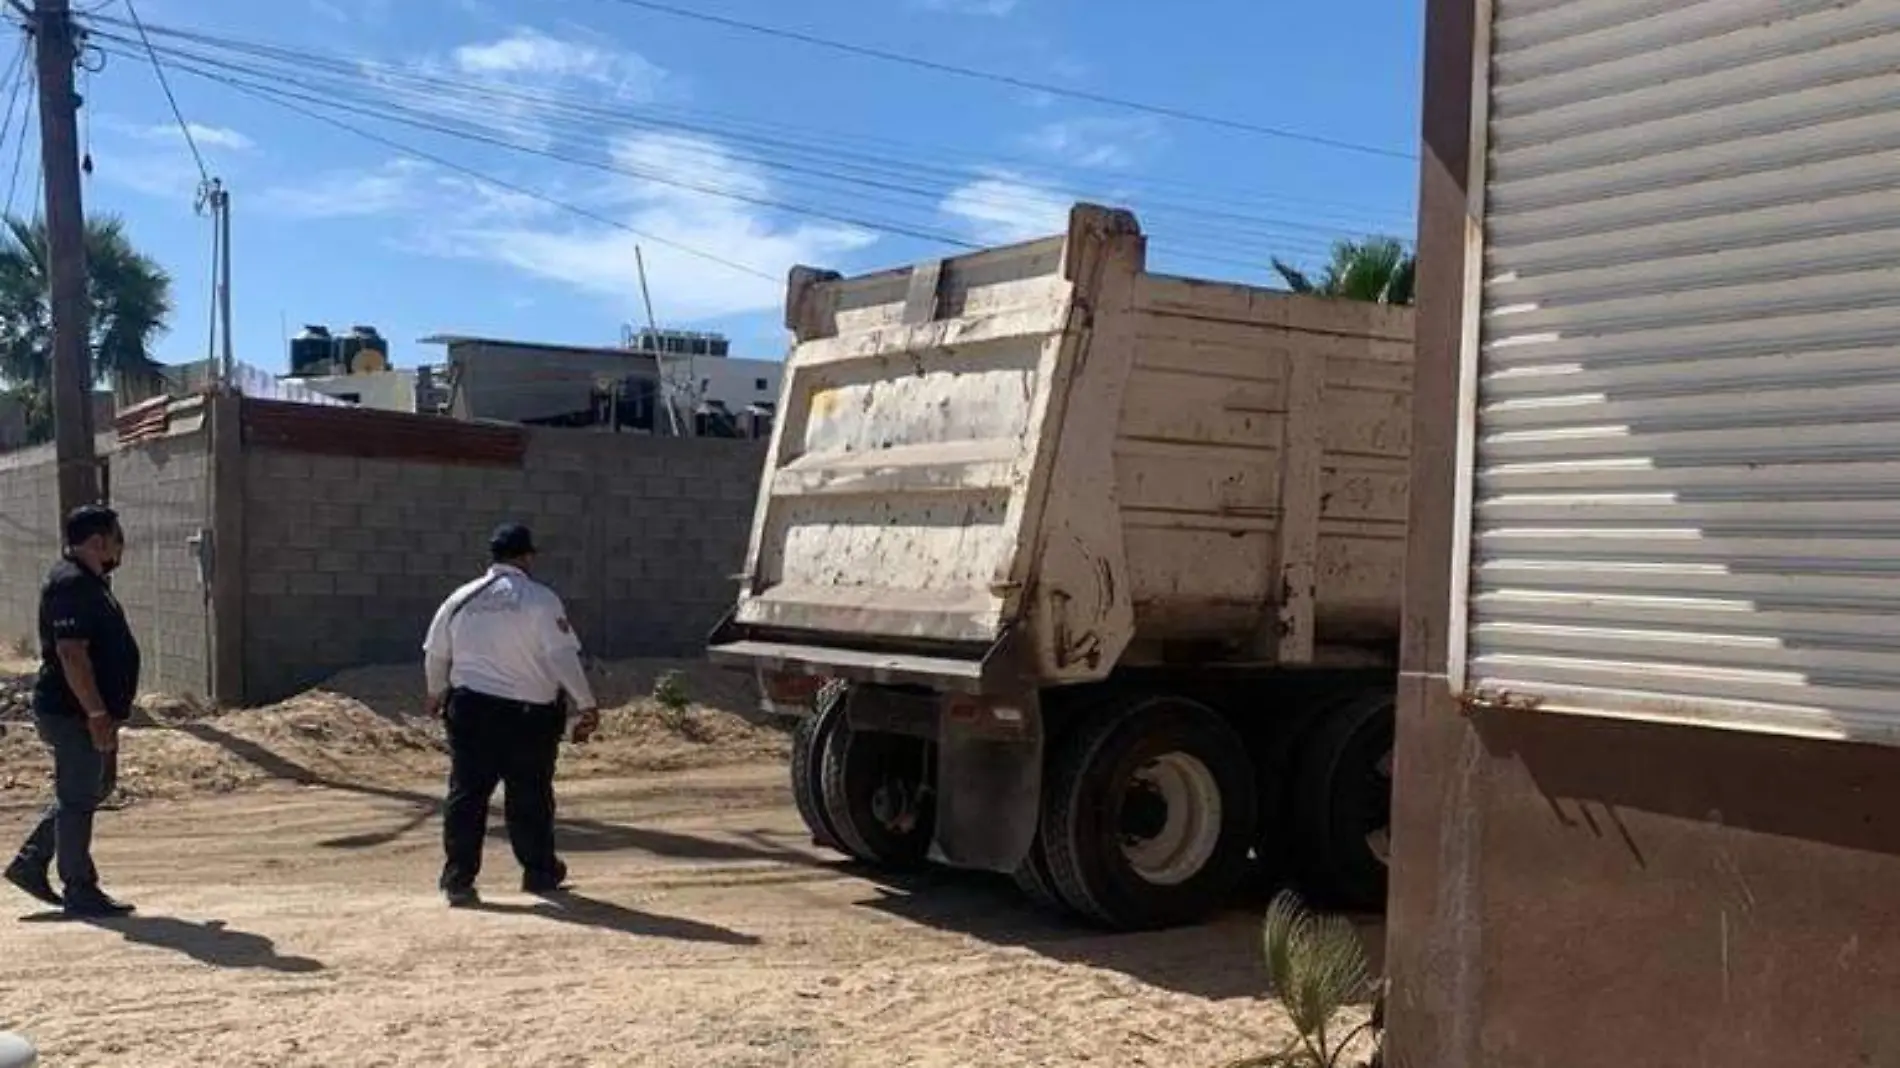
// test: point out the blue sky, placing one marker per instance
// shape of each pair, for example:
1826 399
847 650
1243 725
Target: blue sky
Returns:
693 128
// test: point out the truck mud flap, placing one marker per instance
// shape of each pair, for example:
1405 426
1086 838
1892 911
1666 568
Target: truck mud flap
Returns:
989 781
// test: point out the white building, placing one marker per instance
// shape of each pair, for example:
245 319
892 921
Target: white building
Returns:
729 380
387 391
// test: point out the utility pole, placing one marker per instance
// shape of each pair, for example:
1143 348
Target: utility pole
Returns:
55 54
218 199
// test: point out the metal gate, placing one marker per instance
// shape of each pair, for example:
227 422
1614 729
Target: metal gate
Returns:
1683 369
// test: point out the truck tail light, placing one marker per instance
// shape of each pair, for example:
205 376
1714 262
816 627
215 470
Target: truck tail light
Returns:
788 693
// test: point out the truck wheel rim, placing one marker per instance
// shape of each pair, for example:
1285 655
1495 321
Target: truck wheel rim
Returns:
1190 832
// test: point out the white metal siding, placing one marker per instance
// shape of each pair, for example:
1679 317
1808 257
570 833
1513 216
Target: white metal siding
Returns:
1686 492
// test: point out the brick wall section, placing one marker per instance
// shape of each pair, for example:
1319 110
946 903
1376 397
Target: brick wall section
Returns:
346 557
159 489
29 537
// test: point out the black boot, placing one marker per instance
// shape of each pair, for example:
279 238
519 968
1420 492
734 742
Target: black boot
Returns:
545 882
32 880
94 904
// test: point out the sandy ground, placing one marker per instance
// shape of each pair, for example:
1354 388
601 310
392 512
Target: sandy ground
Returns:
288 918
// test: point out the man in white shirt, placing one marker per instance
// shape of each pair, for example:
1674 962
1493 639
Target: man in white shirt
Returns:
499 655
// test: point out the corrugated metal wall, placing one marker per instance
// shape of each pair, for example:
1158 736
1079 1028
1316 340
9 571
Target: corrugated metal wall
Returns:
1685 499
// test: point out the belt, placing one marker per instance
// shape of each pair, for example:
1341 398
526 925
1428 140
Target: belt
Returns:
509 702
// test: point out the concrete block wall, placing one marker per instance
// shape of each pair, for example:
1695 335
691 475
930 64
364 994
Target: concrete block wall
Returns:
346 557
162 492
160 489
29 537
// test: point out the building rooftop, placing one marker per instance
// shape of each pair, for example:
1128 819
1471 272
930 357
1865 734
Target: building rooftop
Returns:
541 346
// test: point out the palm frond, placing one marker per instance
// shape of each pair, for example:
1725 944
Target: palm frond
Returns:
129 294
1295 279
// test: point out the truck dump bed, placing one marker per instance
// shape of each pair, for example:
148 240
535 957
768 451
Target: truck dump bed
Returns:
1039 462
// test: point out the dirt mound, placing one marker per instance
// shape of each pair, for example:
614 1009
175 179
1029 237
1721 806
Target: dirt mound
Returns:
16 698
367 726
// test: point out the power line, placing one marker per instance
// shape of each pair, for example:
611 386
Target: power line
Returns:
462 99
920 62
204 172
878 159
335 99
275 93
16 74
896 229
470 172
19 154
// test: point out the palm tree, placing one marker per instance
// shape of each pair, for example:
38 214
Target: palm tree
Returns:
1378 269
131 301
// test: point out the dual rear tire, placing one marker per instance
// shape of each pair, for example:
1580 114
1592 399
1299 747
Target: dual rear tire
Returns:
1149 812
1147 816
866 795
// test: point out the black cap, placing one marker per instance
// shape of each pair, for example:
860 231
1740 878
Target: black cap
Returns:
510 540
88 521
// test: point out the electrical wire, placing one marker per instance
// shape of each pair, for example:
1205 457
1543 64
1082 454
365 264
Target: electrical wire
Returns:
475 102
464 102
19 153
275 94
1162 110
486 179
656 177
16 76
204 172
353 70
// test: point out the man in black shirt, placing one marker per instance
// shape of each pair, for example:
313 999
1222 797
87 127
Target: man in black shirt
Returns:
89 673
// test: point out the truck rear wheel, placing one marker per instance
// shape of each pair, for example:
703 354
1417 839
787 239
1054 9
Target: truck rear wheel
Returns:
809 739
1149 814
878 796
1033 879
1343 803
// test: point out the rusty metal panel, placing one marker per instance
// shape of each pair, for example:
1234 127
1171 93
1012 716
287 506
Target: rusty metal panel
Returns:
1685 477
382 435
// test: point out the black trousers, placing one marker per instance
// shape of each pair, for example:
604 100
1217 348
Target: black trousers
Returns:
495 741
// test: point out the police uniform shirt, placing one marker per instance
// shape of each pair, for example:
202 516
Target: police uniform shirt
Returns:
76 604
506 635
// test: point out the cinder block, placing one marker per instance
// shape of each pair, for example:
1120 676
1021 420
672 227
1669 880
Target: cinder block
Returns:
331 515
663 487
338 561
335 468
285 466
311 584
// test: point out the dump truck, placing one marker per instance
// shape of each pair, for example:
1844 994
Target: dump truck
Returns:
1085 574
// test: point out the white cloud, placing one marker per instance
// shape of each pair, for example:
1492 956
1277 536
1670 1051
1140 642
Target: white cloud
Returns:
450 216
599 259
396 186
351 11
1005 208
1096 143
529 55
986 8
205 136
526 84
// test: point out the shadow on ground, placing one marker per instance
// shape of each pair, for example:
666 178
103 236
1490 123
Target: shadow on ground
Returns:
208 942
568 907
575 835
1220 959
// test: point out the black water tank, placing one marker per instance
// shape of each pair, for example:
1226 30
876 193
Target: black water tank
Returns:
362 349
311 352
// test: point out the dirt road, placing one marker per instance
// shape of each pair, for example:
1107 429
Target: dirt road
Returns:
296 926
